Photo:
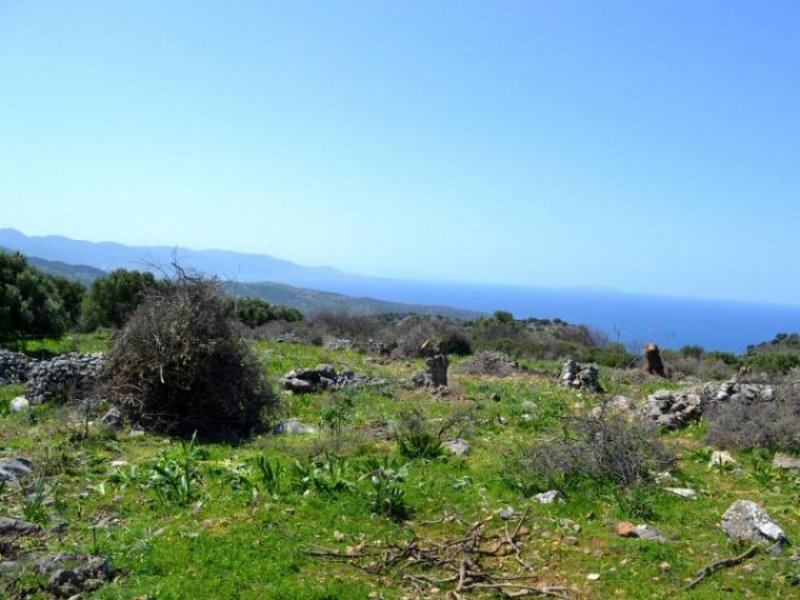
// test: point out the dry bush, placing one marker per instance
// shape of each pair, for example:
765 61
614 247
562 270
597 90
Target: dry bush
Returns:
772 424
444 336
599 450
179 367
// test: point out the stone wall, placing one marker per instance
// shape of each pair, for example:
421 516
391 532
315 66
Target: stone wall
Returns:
66 377
14 367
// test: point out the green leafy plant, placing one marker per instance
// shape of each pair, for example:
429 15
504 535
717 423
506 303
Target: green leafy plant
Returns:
416 439
270 474
175 477
386 495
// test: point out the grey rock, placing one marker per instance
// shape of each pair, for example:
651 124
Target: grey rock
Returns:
550 497
14 528
112 418
71 574
582 378
687 493
648 532
671 410
19 404
721 457
620 406
746 521
13 469
322 377
457 446
784 461
293 426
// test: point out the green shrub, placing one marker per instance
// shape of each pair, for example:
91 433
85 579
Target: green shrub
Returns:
778 362
416 438
112 299
30 301
255 312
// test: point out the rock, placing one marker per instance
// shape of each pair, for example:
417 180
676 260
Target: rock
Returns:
721 458
586 378
645 532
529 407
435 374
13 469
746 521
665 477
784 461
687 493
457 447
671 410
323 377
626 529
19 404
136 432
112 419
293 426
549 497
618 406
14 528
71 574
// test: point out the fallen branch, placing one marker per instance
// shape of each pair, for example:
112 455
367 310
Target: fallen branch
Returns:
720 564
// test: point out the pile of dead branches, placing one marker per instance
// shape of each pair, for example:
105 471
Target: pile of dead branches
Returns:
473 562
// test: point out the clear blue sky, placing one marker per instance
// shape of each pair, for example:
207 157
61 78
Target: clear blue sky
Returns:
647 146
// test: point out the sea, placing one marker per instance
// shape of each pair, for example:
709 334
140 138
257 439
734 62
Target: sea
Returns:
631 319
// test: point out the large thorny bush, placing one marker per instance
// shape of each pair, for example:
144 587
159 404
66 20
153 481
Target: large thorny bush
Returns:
179 367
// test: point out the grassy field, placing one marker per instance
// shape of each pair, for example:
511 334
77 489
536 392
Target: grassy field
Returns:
184 520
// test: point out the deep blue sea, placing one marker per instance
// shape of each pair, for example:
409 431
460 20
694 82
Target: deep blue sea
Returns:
633 319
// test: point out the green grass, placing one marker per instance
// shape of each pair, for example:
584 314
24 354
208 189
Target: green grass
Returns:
237 533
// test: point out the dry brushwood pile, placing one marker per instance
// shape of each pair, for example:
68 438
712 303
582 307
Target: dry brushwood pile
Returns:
477 560
179 367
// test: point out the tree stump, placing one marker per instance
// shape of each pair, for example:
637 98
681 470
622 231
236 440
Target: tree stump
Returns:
436 370
653 358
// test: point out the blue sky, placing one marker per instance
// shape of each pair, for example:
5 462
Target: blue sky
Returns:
647 146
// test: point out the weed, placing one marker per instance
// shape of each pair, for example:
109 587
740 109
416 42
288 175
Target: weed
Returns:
416 439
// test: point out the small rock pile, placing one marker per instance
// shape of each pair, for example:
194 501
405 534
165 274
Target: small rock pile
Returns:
732 391
14 367
495 364
671 409
324 377
676 409
582 378
64 378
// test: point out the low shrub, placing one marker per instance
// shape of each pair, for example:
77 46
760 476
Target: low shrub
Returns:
597 450
771 424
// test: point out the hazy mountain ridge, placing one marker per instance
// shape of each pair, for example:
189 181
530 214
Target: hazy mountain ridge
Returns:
303 299
108 256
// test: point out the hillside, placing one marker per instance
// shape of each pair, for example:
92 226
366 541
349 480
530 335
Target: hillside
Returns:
311 301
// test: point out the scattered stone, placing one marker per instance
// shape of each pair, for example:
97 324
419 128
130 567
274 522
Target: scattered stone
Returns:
19 404
618 406
670 409
495 397
733 390
687 493
746 521
664 567
570 540
645 532
549 497
784 461
71 574
507 513
293 426
112 419
721 458
457 447
14 528
593 576
136 432
323 377
576 377
529 407
665 477
337 344
13 469
67 377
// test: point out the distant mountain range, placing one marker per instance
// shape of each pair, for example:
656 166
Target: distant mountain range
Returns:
243 274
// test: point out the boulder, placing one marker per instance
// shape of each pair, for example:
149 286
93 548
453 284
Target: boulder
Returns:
746 521
784 461
671 409
549 497
457 447
19 404
581 378
293 426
